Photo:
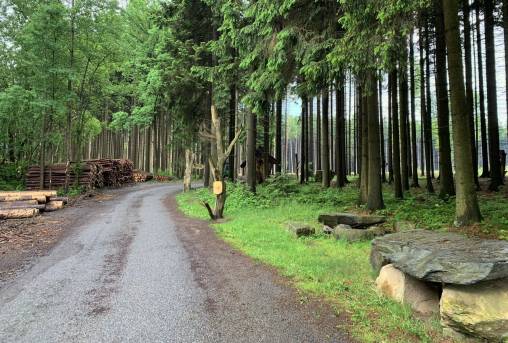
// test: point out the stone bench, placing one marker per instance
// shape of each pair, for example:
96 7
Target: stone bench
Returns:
463 279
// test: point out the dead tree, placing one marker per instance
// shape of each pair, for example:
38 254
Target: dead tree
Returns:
217 163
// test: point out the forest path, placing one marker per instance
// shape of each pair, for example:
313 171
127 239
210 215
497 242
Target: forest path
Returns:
137 270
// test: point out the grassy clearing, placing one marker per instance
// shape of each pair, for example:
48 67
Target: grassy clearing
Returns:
322 266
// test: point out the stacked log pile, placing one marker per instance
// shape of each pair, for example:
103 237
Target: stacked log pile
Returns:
87 174
163 178
29 204
142 176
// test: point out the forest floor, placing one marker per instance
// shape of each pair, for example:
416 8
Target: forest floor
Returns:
336 270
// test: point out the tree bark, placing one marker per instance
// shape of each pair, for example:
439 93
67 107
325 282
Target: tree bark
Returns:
251 151
375 196
443 115
397 181
325 147
414 154
404 114
481 91
363 126
427 130
278 135
467 210
493 125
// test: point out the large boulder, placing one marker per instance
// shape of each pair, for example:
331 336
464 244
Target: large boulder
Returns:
354 220
442 257
479 310
299 229
405 289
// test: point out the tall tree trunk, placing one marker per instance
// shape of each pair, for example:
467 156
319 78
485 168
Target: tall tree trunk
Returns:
278 135
481 91
414 154
375 196
318 133
303 142
325 146
469 87
363 126
425 116
428 126
505 31
467 209
390 130
381 129
231 130
495 165
310 146
397 181
251 151
443 115
404 114
340 160
266 138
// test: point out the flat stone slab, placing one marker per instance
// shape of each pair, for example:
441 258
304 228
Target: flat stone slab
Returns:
300 229
354 220
448 258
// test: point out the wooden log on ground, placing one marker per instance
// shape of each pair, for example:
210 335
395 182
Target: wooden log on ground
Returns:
33 193
18 213
17 205
53 206
40 198
64 199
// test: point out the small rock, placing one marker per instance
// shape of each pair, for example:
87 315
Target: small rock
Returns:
300 229
480 310
403 225
405 289
353 220
346 232
327 230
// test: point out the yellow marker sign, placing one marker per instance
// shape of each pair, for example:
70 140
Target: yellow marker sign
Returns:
218 187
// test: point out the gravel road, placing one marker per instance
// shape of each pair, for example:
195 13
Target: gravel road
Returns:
136 270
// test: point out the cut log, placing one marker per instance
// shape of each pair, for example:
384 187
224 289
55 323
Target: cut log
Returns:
18 203
40 198
18 213
14 205
36 193
64 199
53 206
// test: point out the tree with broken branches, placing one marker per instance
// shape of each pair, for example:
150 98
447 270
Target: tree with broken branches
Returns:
217 162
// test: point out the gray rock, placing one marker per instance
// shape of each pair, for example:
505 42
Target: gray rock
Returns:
479 310
442 257
346 232
327 230
405 289
403 225
299 229
353 220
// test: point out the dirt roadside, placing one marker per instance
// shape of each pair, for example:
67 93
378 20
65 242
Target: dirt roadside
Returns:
24 241
235 285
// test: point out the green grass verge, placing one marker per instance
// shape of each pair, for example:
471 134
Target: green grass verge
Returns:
321 266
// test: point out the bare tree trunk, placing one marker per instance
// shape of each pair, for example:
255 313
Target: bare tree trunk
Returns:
443 115
397 181
483 122
467 209
375 196
414 154
404 114
495 164
278 135
325 148
251 151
